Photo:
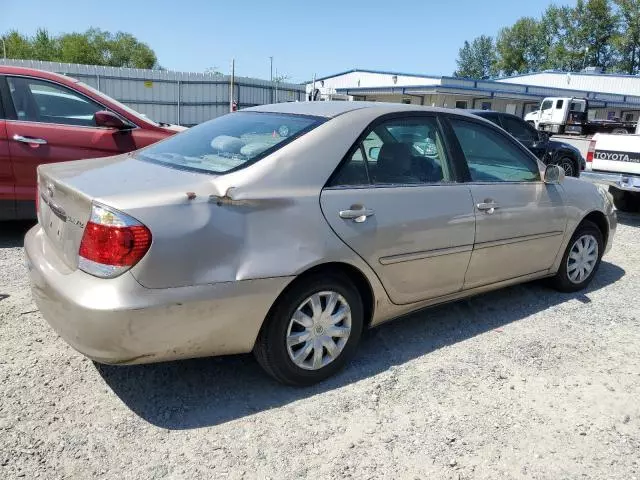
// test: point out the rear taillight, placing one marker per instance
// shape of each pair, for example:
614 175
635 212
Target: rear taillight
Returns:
591 150
112 243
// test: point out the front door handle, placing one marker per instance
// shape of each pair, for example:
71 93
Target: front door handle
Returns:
488 206
356 213
31 140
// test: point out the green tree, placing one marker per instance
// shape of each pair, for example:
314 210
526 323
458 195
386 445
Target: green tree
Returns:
43 46
627 40
17 46
93 47
477 59
522 48
596 25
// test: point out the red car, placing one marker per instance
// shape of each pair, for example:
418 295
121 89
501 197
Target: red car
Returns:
46 118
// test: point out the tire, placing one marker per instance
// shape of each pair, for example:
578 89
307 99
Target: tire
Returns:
274 354
620 131
625 201
566 279
571 169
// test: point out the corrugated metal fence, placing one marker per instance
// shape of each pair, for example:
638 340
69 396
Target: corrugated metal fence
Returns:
174 97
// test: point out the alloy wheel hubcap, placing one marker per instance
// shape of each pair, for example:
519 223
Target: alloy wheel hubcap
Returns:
319 330
567 166
582 258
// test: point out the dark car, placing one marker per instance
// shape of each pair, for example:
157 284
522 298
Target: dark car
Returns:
549 151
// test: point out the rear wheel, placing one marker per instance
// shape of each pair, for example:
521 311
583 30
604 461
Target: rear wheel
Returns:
620 131
625 201
312 330
581 259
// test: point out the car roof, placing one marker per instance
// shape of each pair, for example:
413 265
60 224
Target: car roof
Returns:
477 111
330 109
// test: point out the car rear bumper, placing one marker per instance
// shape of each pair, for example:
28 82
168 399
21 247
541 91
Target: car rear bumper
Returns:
121 322
621 181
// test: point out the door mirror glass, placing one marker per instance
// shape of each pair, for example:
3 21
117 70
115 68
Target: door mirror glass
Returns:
553 174
374 152
107 119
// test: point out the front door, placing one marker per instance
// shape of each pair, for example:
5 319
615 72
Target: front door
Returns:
52 123
7 191
394 203
520 221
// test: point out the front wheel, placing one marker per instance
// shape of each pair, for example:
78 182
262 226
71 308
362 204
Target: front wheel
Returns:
569 166
581 259
312 330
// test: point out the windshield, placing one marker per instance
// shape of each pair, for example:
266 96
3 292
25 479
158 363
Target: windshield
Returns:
229 142
129 110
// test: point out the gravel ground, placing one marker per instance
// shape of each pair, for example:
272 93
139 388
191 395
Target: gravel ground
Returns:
519 383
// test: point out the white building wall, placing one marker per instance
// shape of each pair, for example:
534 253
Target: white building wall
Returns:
622 85
367 79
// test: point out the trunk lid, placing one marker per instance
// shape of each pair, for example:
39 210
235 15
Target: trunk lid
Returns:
66 192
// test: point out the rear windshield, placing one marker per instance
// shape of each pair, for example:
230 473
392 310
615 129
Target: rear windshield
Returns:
229 142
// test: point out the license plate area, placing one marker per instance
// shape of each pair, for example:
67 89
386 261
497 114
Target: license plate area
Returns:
54 222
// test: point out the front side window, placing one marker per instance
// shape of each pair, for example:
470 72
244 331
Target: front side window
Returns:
406 151
47 102
492 157
229 142
518 129
546 105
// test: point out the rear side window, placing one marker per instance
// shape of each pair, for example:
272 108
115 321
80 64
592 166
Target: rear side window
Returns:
47 102
492 157
401 151
518 129
229 142
559 104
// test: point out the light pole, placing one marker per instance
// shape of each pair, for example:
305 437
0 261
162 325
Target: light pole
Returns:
271 76
4 48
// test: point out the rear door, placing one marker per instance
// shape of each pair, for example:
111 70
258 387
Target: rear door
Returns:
520 220
48 123
7 191
394 202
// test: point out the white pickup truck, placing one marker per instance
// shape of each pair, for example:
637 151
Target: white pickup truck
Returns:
614 160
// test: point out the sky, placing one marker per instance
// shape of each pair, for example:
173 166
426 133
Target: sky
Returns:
320 37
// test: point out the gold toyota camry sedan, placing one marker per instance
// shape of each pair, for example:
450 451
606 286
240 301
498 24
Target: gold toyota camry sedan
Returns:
288 229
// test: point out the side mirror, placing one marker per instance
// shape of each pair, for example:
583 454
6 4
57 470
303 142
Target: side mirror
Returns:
106 119
544 137
374 152
553 174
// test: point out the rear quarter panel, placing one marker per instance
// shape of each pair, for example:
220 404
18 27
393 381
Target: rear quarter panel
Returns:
262 221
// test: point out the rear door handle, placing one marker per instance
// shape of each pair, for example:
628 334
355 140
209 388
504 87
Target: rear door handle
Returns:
357 215
488 206
31 140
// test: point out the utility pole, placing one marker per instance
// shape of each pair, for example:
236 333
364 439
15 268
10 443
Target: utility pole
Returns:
233 74
4 48
276 85
271 76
